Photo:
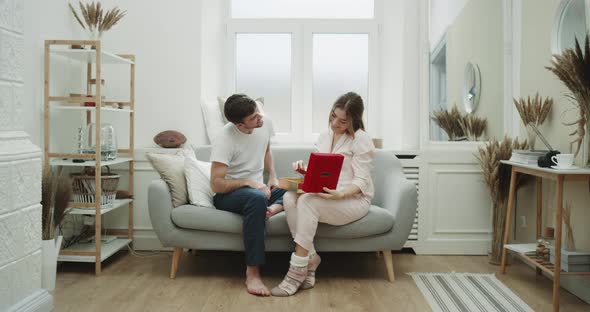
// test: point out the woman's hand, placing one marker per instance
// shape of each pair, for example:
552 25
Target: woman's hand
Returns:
331 194
299 166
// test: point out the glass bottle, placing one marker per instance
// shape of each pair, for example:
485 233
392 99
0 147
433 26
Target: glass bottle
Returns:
108 141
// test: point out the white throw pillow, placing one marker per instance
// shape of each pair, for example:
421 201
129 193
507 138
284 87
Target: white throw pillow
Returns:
212 117
198 182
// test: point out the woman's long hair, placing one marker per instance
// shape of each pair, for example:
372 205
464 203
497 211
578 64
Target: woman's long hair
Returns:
352 104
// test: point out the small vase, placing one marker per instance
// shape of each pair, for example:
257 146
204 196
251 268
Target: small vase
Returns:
93 35
50 251
531 137
585 162
498 226
569 244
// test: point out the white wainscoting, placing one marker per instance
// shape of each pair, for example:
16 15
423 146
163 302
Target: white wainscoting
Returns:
455 207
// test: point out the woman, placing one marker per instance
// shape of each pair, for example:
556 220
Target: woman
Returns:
349 202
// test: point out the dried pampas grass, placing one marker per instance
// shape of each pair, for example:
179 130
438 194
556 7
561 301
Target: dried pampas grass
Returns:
570 244
534 110
572 67
96 20
56 192
449 121
473 126
497 179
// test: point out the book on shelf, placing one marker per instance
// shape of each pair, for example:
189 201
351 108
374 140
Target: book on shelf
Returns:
572 267
571 257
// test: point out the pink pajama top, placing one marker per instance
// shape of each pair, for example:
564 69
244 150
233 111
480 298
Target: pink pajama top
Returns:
358 159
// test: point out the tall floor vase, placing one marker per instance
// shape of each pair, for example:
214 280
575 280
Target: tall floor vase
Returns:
498 227
50 251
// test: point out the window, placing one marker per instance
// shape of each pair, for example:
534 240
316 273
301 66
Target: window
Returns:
340 64
302 9
438 86
263 68
300 55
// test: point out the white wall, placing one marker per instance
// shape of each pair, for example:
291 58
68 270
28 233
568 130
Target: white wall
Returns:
176 66
166 42
537 23
442 14
399 99
475 35
20 175
398 107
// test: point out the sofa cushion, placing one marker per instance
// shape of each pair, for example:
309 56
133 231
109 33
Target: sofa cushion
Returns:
170 167
377 221
198 182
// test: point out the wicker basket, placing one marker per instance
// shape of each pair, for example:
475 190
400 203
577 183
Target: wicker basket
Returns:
84 186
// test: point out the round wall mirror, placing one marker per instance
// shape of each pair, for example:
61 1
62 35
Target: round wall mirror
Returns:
571 22
471 87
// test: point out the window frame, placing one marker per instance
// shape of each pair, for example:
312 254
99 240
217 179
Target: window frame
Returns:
302 31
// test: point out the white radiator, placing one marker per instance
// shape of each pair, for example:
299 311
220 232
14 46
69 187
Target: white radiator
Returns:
411 167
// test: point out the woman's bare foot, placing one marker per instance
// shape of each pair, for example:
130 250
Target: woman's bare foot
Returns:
273 210
254 283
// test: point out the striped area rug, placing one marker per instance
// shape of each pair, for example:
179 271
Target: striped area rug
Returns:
468 292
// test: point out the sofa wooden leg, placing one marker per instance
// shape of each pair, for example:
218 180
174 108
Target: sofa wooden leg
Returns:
388 259
175 260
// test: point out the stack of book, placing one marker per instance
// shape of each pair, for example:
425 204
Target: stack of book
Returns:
572 261
526 156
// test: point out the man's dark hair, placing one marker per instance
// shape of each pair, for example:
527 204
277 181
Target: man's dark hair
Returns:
237 107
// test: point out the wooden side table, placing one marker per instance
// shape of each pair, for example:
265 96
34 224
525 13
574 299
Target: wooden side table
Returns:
581 174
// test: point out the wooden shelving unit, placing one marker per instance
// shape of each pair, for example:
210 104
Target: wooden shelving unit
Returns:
95 57
559 176
536 261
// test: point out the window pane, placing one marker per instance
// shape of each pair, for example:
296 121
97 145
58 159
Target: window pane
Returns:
340 65
263 69
302 8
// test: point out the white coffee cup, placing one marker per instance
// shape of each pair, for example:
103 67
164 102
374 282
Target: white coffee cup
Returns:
563 160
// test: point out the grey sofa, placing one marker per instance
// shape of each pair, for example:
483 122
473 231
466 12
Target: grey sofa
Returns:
385 228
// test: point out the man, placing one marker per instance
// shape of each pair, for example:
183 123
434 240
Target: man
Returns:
239 156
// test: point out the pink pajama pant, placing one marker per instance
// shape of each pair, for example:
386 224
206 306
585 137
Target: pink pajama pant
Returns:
305 211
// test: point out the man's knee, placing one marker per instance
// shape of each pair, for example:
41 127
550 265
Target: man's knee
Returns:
257 202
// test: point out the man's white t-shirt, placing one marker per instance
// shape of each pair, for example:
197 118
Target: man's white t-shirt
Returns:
242 153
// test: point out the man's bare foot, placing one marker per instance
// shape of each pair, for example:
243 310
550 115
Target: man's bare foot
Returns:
273 210
254 283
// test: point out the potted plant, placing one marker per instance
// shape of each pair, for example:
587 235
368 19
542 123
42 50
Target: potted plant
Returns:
56 191
96 20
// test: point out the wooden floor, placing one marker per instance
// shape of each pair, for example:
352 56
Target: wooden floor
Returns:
213 281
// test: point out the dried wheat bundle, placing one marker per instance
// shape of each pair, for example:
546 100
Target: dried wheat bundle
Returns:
534 110
473 126
449 121
497 179
570 244
96 20
572 67
56 192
